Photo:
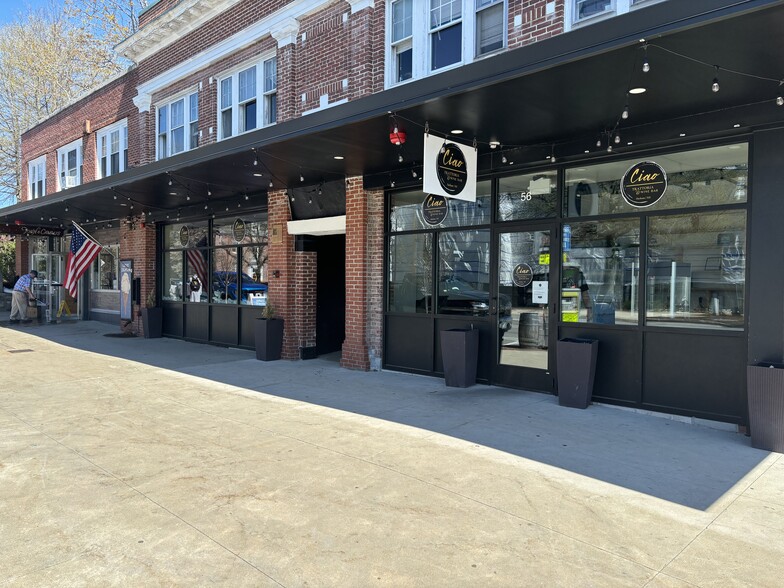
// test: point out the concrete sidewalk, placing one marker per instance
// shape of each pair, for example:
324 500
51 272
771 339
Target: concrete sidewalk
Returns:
126 461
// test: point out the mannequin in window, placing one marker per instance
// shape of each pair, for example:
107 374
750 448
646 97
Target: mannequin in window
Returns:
195 288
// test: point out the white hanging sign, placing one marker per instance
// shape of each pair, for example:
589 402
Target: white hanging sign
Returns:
449 169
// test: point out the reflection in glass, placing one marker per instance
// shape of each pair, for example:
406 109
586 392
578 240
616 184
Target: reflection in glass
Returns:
252 230
696 272
410 271
253 275
600 272
194 235
196 276
224 275
527 197
406 210
706 177
172 284
464 272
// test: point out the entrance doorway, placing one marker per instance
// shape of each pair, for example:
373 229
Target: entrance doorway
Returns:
330 293
525 309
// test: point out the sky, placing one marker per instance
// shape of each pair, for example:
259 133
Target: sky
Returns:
9 9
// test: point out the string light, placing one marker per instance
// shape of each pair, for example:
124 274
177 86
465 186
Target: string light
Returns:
646 67
625 113
715 86
400 157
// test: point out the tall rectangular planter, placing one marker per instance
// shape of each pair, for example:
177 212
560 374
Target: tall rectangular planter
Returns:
152 320
765 384
269 339
460 354
576 371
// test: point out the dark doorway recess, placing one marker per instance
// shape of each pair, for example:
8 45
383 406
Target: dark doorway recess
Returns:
330 293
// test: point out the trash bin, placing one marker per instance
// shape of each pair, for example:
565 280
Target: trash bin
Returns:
459 354
532 329
765 386
576 371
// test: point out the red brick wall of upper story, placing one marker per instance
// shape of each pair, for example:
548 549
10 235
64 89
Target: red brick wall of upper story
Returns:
156 10
535 24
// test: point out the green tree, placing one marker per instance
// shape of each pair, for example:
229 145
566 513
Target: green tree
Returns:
7 260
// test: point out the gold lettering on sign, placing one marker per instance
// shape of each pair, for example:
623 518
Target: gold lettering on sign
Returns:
638 177
434 201
450 161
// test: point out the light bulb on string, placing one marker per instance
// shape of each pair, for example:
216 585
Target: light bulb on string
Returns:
598 142
270 184
617 139
646 67
413 173
609 148
400 158
625 113
503 158
779 100
715 86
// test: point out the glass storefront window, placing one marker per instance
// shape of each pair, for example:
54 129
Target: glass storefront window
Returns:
172 284
184 235
705 177
224 275
196 284
406 210
253 275
696 273
409 287
106 269
529 196
239 230
464 272
600 272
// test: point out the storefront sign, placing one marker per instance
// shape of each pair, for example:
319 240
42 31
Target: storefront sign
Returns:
28 231
126 279
644 184
522 275
185 236
434 209
239 230
449 169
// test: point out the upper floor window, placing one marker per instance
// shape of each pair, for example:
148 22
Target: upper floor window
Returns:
579 11
248 99
178 125
36 175
112 145
424 38
69 162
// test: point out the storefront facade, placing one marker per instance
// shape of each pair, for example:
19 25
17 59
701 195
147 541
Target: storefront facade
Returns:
239 173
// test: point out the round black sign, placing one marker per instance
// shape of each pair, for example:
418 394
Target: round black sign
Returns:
522 275
239 230
185 236
434 209
644 184
451 169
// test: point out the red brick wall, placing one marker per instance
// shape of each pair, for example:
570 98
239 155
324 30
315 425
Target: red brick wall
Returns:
355 347
137 242
374 254
155 11
535 25
281 270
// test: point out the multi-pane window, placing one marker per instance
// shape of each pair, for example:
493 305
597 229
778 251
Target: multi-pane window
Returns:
446 32
106 269
402 50
579 11
178 126
248 99
37 177
427 37
113 149
69 162
589 8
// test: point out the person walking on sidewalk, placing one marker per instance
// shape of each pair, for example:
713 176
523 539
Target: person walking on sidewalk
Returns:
21 296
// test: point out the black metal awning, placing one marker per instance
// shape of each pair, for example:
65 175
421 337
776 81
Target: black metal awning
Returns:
555 97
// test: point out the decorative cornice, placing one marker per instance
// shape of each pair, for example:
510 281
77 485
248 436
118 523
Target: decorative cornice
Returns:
357 5
285 31
143 101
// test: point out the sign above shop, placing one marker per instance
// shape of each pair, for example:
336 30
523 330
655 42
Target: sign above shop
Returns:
185 236
449 169
522 275
238 229
434 209
30 231
644 184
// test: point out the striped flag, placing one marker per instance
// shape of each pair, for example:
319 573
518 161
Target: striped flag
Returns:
197 262
84 250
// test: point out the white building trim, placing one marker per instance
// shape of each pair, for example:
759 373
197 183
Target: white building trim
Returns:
330 225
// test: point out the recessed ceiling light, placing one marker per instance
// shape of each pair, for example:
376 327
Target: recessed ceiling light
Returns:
123 204
258 175
172 193
630 143
338 157
682 135
638 90
736 126
456 131
587 150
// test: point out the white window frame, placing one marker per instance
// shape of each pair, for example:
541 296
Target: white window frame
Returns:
616 7
62 158
234 108
186 124
36 174
95 273
103 148
420 40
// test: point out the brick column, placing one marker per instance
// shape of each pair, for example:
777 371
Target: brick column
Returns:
361 56
22 256
362 348
137 242
281 270
288 106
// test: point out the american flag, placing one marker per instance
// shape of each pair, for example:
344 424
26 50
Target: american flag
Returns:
197 262
84 250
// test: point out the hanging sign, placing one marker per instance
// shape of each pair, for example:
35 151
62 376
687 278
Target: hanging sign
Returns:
185 236
522 275
434 209
238 229
449 169
644 184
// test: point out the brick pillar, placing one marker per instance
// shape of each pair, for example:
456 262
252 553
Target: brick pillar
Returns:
361 54
89 158
361 217
305 298
137 242
374 254
22 256
281 270
288 106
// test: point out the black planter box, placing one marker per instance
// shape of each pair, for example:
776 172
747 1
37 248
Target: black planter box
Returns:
152 320
765 383
459 354
576 371
269 339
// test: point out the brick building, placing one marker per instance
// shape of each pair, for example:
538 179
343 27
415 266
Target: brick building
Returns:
275 152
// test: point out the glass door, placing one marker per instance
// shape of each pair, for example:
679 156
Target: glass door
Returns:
525 305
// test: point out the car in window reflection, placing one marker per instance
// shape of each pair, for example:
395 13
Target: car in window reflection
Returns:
456 296
224 285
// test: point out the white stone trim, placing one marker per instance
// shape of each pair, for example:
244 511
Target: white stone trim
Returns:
357 5
143 101
285 33
324 104
330 225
